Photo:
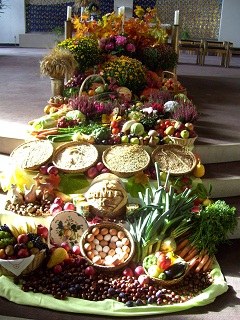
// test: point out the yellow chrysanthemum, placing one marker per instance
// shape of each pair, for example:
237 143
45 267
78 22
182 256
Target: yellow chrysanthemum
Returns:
142 178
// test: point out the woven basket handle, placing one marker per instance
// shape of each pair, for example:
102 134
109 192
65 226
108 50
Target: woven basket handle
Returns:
84 82
174 76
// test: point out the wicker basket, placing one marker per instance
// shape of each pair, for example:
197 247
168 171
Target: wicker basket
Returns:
89 77
125 160
174 158
108 225
168 283
74 157
175 90
36 263
32 154
189 142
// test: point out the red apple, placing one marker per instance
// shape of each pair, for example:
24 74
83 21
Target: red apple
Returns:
143 279
92 172
66 246
99 166
90 271
57 269
52 170
80 261
22 238
58 201
42 231
189 126
76 249
192 134
177 134
128 272
55 208
181 127
139 270
23 253
69 206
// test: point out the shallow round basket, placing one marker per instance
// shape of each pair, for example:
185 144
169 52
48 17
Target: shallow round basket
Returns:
36 263
76 156
108 225
174 158
168 283
32 154
183 142
125 160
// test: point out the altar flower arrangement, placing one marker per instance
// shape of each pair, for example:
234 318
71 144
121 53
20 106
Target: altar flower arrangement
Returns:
85 49
127 72
117 45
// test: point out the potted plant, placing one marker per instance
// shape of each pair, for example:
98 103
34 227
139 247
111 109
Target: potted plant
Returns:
58 64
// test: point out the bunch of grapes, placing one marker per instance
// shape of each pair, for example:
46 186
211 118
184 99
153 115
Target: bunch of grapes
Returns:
37 241
64 122
73 85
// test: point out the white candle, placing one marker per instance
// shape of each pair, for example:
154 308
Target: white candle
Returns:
176 18
69 12
121 10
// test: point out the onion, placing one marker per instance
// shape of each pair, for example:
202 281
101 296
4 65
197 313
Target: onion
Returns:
168 244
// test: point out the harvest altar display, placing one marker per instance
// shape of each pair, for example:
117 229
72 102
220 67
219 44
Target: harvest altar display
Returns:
109 189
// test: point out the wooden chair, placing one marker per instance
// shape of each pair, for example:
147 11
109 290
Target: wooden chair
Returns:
192 46
231 51
219 48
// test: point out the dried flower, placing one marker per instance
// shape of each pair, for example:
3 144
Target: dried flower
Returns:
58 63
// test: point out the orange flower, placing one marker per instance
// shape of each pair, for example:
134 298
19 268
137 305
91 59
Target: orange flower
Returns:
142 178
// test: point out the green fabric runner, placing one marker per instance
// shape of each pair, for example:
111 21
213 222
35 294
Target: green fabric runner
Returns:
108 307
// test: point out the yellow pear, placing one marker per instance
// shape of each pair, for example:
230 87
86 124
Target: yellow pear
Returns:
57 256
199 170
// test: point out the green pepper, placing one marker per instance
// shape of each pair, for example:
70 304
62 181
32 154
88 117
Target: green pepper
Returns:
99 89
149 261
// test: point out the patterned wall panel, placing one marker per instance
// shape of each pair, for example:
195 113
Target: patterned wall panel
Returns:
200 18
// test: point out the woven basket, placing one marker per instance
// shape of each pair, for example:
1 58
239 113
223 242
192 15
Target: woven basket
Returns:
183 142
36 263
32 154
168 283
125 160
174 158
74 157
84 82
175 90
108 225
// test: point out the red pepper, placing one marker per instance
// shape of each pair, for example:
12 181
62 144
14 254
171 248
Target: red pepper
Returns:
163 261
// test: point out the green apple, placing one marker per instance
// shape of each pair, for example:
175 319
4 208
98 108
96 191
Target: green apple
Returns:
124 139
154 271
134 140
184 134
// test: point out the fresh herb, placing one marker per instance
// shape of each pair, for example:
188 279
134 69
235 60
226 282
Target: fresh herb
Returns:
212 226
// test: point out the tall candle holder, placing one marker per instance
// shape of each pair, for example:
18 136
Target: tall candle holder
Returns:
175 38
68 29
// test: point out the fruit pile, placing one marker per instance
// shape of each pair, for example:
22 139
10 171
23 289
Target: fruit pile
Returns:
21 243
165 266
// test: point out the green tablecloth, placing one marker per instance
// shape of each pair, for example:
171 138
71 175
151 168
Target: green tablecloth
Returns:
108 307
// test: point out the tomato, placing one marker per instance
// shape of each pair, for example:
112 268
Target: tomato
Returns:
163 261
168 123
162 126
114 124
115 130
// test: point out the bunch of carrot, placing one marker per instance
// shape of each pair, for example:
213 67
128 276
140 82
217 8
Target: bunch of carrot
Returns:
44 133
199 260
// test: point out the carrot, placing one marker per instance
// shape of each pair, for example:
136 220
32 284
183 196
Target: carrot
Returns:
192 262
191 254
209 263
182 244
202 262
184 251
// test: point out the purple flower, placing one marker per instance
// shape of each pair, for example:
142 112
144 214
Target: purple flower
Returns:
130 47
121 40
109 46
